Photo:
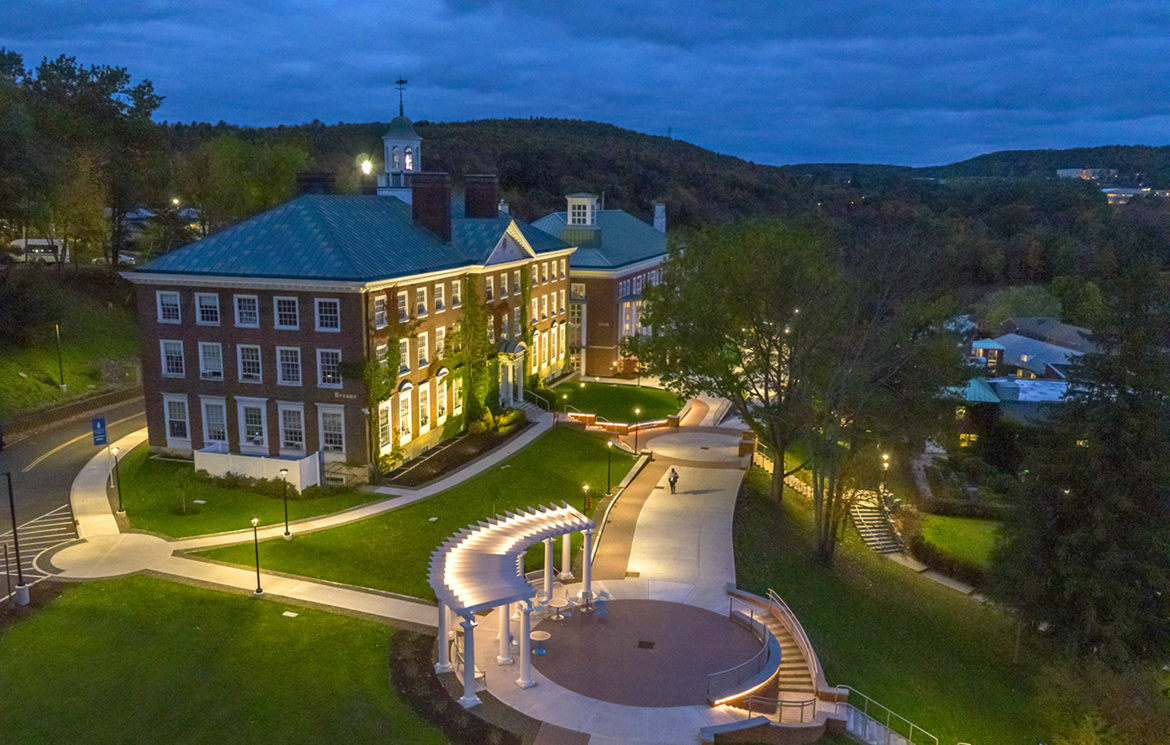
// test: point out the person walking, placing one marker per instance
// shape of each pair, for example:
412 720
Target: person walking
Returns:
673 480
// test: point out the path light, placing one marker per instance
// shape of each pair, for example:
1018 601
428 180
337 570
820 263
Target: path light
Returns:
117 478
256 542
637 413
284 480
885 468
582 385
585 488
608 466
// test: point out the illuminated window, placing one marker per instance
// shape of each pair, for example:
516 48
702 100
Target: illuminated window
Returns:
396 158
967 438
960 412
410 159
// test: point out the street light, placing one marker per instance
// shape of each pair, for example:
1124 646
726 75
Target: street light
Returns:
885 468
60 365
608 466
367 167
21 590
256 542
637 413
117 479
284 480
585 488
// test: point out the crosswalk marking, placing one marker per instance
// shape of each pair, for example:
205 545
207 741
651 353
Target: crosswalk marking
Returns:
36 536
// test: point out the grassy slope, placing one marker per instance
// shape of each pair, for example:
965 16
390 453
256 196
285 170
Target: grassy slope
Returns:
391 551
152 494
90 331
617 402
144 660
969 539
938 658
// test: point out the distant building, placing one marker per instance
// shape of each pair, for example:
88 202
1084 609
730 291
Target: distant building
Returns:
1123 194
1088 174
618 256
1053 331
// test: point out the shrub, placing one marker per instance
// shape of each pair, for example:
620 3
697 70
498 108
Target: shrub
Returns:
266 487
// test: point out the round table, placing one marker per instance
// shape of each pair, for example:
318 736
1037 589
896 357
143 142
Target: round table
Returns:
540 637
557 604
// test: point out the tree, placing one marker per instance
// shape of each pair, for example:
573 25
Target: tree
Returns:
1089 550
736 315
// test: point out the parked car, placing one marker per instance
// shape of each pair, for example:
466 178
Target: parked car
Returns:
124 259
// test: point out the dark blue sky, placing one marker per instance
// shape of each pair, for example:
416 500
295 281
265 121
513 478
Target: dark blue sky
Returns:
915 82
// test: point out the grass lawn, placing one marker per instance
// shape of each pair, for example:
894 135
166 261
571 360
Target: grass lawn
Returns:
391 551
152 492
91 331
145 660
966 538
617 402
936 657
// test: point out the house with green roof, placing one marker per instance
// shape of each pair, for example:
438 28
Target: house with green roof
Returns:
331 334
617 256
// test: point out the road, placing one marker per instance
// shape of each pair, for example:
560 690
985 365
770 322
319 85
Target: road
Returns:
43 466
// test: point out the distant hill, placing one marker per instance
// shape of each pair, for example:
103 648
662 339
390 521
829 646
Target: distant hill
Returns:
1135 163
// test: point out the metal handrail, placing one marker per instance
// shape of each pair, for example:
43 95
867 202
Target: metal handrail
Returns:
797 631
538 397
891 718
776 707
758 660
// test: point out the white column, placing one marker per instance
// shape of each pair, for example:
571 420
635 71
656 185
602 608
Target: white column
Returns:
587 567
444 663
525 680
548 567
566 557
518 371
469 698
505 635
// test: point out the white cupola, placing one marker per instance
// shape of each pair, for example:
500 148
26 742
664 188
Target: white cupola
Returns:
402 154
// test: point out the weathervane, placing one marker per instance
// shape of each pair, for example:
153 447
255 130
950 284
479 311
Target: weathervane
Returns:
400 84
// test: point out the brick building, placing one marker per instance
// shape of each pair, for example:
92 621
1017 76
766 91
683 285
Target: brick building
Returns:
617 256
249 336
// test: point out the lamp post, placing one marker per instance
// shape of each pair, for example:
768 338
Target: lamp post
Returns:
565 404
60 365
256 542
585 489
608 466
284 480
882 485
638 414
117 479
21 590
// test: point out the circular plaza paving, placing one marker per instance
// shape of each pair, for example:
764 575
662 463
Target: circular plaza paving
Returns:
695 446
643 652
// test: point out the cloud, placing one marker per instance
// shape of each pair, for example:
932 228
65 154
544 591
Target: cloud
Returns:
911 81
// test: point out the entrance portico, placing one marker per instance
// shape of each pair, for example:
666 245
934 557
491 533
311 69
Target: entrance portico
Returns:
511 360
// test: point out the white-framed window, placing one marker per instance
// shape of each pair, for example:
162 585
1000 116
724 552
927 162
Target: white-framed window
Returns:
404 421
172 358
456 294
424 408
168 306
544 307
206 309
504 333
175 413
563 265
409 159
491 328
210 360
380 352
562 301
544 273
638 284
457 396
328 314
423 350
489 290
534 355
440 301
253 423
516 330
420 302
563 350
380 312
535 311
456 336
288 365
440 342
441 399
504 285
544 349
578 214
247 311
248 360
385 436
286 311
535 274
328 368
292 426
555 348
515 281
403 306
396 158
214 419
578 290
403 356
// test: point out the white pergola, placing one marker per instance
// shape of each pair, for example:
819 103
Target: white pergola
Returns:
482 567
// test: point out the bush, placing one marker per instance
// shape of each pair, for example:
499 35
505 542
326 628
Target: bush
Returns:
988 510
27 300
477 427
937 559
266 487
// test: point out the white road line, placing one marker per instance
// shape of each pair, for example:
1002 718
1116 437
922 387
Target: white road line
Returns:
37 536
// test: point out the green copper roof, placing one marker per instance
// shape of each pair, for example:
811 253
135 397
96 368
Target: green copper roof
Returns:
335 237
618 239
400 126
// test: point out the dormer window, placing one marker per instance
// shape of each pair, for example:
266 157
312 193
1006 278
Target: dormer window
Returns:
579 215
582 209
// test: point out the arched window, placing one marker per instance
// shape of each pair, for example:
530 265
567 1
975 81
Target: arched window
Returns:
394 159
409 159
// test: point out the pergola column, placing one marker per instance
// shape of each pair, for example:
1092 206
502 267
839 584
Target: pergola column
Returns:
548 567
469 698
587 567
444 663
525 680
566 556
505 634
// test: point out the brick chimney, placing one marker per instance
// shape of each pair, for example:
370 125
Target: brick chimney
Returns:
481 195
430 203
